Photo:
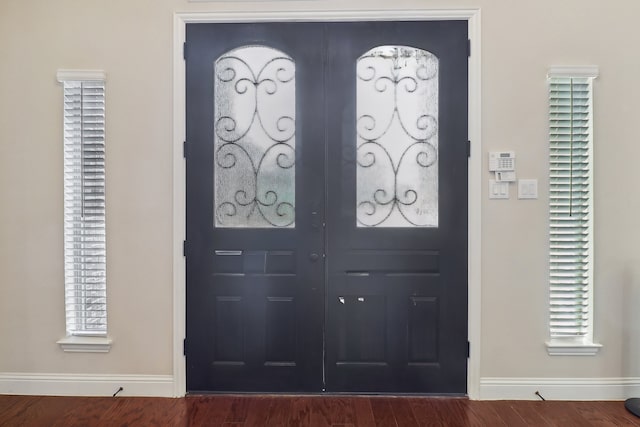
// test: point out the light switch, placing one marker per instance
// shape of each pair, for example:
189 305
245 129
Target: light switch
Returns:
527 189
498 189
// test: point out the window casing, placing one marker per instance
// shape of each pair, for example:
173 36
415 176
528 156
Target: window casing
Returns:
84 207
571 211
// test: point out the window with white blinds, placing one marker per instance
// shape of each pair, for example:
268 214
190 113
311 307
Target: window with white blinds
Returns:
571 205
84 203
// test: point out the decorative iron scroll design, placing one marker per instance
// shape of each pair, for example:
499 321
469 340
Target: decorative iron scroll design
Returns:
397 138
254 143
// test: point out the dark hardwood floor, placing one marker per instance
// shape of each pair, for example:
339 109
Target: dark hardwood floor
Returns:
343 411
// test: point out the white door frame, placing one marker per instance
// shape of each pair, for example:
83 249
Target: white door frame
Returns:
472 16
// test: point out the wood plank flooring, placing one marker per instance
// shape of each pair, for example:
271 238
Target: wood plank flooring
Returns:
316 411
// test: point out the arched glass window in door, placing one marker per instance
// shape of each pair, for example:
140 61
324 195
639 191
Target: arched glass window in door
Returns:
254 139
397 138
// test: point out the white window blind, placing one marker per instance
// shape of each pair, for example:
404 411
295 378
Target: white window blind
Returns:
571 205
84 203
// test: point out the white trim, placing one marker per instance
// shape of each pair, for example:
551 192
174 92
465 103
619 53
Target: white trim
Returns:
85 385
574 71
568 347
328 16
474 262
77 344
179 207
475 162
559 388
80 75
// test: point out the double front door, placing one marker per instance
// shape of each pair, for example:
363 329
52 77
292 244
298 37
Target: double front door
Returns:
327 207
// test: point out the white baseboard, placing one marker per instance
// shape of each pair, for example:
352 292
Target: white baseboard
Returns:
559 388
163 386
86 385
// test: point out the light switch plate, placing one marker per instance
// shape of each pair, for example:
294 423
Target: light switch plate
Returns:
527 189
498 189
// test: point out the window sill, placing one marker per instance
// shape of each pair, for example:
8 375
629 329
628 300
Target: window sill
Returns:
572 347
75 344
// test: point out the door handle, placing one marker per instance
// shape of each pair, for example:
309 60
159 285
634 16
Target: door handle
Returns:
314 256
314 219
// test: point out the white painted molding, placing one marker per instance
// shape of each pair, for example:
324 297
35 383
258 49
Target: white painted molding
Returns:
76 75
559 388
329 15
559 347
85 385
574 71
76 344
179 206
474 223
472 16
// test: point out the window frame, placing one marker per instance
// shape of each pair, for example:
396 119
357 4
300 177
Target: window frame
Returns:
581 343
83 339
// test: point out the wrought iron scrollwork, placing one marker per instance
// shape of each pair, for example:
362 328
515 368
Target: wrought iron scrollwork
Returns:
254 138
397 126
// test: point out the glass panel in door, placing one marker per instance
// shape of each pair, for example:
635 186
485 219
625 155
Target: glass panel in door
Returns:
254 138
397 138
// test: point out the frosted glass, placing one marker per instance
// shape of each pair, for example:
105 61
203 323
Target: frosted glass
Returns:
254 142
397 138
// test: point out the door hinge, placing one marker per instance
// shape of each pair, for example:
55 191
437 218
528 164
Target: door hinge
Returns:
468 349
184 248
468 148
185 149
184 51
184 347
468 48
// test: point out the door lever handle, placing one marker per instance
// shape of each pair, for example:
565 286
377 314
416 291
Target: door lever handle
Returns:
314 256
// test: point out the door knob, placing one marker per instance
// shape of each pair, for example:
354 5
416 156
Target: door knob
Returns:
314 256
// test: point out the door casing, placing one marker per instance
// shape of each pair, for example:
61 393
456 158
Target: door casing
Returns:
472 16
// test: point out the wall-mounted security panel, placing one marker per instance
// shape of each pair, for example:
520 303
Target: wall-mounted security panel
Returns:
502 161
